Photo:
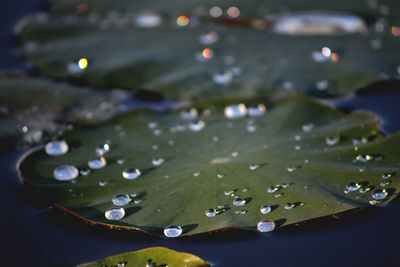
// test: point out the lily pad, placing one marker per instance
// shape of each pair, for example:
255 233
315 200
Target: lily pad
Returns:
300 158
31 108
182 62
155 256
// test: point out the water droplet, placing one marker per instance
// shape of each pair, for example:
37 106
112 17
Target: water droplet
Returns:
157 161
120 161
253 167
307 127
364 158
223 78
97 163
353 186
115 214
190 114
56 148
121 199
195 174
103 183
385 183
331 141
241 212
265 209
272 189
388 175
197 126
265 226
235 111
239 202
102 149
364 189
131 173
84 171
220 176
173 231
289 206
256 111
66 173
228 192
211 213
291 168
379 194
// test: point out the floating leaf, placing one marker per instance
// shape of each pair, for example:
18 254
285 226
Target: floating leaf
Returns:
218 166
152 257
33 107
200 58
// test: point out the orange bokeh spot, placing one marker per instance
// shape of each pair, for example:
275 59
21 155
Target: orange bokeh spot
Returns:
335 57
396 31
207 53
183 21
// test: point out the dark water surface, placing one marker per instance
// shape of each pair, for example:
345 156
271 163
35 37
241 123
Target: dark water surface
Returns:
33 236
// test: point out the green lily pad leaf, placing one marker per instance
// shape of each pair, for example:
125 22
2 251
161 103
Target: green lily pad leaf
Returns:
32 108
154 256
199 171
205 58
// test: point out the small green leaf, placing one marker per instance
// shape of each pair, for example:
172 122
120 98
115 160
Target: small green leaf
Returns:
297 158
158 256
244 61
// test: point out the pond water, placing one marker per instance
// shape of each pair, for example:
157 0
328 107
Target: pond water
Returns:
37 236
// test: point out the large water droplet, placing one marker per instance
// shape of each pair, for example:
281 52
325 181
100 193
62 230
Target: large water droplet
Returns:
97 163
115 214
211 213
265 209
121 199
56 148
131 173
239 202
66 172
235 111
379 194
173 231
265 226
